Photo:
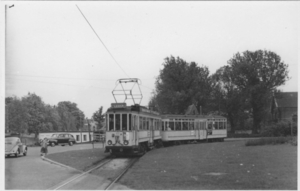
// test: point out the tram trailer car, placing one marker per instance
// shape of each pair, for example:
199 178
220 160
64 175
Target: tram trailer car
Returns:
131 129
177 129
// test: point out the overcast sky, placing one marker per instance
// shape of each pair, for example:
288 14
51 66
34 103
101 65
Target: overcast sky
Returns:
52 51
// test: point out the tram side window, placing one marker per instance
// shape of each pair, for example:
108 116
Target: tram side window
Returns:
177 125
209 126
221 125
130 122
185 125
217 125
162 125
192 125
118 122
141 123
147 123
172 125
111 122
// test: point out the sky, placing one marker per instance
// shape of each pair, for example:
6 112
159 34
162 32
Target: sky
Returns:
52 51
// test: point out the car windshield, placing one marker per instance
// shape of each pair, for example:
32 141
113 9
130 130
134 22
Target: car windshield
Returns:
54 135
11 140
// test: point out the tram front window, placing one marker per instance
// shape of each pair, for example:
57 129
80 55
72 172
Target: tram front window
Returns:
118 122
111 122
124 122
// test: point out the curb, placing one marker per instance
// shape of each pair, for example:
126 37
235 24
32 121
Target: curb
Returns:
59 164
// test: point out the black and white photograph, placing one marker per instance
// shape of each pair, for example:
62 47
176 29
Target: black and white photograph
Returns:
150 95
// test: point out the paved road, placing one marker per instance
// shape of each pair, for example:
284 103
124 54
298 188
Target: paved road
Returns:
33 173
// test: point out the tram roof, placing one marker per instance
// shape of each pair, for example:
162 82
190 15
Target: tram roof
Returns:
168 116
136 108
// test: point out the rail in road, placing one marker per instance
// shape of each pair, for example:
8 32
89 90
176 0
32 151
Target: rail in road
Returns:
102 177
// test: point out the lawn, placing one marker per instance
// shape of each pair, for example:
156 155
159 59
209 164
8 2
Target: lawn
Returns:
205 166
80 159
216 166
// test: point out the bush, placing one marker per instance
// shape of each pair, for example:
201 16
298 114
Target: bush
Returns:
232 135
282 128
269 141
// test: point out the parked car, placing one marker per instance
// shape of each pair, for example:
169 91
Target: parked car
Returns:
14 146
61 139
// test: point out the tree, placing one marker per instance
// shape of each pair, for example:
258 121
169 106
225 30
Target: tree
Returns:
98 116
257 74
72 118
36 113
229 98
16 115
179 85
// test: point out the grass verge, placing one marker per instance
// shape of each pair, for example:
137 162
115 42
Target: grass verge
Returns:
79 159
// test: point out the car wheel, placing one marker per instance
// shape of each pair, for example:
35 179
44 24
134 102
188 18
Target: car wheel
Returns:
52 144
70 143
17 153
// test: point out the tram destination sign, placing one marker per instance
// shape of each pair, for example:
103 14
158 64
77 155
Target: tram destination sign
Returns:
118 105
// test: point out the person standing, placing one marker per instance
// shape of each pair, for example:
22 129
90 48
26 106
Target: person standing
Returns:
44 149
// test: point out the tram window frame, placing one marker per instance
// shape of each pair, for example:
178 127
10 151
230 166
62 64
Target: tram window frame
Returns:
163 126
111 123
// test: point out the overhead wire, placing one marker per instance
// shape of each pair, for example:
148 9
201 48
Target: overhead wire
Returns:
102 42
62 84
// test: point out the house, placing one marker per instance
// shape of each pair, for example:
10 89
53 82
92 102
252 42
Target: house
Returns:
90 123
284 106
192 110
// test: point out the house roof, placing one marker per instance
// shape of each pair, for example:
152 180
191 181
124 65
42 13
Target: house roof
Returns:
286 99
192 110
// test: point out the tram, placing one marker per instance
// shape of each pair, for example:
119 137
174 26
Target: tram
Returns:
131 129
177 129
135 129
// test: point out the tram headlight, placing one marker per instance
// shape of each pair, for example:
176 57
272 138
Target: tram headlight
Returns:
109 142
126 142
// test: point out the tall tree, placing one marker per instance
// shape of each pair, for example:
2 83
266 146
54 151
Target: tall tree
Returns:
98 116
36 112
180 84
72 117
257 74
228 98
16 115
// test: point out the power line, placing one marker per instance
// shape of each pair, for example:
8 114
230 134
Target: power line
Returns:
58 77
63 84
102 41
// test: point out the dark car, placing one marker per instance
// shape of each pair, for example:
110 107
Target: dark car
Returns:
61 139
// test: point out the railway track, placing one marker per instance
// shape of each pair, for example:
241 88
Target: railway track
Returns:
104 176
